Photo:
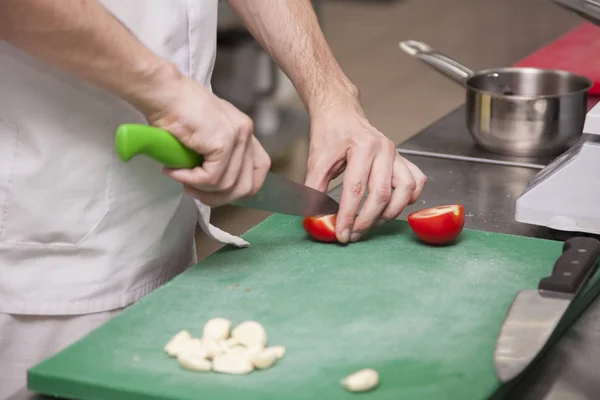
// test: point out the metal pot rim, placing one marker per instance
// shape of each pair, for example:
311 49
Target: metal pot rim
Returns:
497 95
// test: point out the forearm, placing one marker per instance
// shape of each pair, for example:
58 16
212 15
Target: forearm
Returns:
290 32
83 38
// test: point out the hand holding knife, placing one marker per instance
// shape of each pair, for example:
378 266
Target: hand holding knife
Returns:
277 195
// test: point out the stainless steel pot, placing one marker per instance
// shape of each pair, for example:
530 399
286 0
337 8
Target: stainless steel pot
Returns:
516 111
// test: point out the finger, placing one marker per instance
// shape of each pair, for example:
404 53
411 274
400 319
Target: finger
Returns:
209 175
234 169
224 166
316 179
353 189
191 176
242 187
380 192
206 181
219 171
419 177
320 174
253 173
262 165
404 185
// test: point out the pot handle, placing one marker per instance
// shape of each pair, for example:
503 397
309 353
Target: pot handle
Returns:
441 63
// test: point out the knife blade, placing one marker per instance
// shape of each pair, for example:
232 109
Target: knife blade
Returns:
534 314
277 195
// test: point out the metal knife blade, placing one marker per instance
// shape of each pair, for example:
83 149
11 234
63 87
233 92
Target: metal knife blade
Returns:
283 196
277 195
534 314
530 321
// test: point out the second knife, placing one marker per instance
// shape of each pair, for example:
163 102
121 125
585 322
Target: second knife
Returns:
534 314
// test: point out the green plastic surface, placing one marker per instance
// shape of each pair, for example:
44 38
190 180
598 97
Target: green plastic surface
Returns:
426 318
159 144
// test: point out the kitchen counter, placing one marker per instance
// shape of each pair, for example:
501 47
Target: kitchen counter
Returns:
532 24
487 186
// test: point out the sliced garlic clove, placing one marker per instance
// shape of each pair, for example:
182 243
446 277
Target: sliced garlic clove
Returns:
193 362
254 350
239 351
194 346
226 347
250 334
264 359
217 328
212 347
229 343
232 364
174 345
172 349
279 351
361 381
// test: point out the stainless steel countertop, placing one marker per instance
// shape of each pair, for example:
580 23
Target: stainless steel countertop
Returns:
488 193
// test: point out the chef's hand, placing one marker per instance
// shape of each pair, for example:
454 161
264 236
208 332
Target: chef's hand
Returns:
235 164
343 139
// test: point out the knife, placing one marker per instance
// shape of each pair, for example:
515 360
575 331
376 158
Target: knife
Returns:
277 195
534 314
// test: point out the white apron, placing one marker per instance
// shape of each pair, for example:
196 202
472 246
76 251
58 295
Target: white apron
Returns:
81 231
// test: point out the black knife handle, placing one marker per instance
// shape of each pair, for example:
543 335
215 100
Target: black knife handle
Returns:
574 267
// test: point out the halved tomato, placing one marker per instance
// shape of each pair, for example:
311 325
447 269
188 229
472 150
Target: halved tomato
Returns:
321 228
438 225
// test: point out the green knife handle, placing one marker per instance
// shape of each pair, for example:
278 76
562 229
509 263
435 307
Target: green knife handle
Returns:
156 143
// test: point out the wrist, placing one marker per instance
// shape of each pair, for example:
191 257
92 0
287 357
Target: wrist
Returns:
336 96
150 85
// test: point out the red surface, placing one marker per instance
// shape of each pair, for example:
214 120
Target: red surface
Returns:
577 51
321 228
439 225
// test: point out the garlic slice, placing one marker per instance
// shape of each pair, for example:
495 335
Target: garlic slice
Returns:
250 334
193 362
217 328
264 359
174 345
361 381
279 351
213 348
232 364
194 346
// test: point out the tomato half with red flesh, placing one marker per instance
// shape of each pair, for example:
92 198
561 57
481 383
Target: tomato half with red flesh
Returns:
321 228
438 225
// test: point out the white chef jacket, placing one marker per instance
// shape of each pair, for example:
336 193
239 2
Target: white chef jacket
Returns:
80 230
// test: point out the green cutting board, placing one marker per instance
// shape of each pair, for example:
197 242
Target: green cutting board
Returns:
425 317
